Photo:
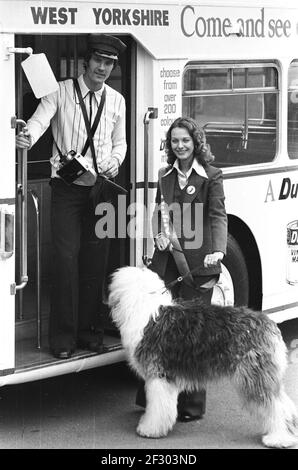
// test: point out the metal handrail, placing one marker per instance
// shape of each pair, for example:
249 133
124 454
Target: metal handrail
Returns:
151 113
145 202
38 267
22 191
22 195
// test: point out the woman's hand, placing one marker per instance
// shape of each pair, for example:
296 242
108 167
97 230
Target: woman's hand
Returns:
213 259
162 242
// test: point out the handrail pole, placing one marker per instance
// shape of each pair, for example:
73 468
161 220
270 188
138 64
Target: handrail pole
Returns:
22 192
145 202
38 268
151 113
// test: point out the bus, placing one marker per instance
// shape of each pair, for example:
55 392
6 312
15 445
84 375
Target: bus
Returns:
232 66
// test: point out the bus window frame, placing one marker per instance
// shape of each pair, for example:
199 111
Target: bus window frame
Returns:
240 64
291 89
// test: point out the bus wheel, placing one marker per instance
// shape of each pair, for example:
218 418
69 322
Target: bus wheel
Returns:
233 284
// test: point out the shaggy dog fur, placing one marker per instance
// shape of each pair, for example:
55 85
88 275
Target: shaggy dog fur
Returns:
180 345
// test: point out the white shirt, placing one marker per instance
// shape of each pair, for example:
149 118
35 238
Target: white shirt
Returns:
62 110
183 178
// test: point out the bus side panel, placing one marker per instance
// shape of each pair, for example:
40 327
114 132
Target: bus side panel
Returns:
7 199
267 214
162 95
139 222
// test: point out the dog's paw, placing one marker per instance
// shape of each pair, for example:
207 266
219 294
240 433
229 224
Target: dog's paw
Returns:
147 428
279 441
145 431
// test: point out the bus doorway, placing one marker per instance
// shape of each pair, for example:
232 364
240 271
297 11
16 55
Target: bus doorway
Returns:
65 54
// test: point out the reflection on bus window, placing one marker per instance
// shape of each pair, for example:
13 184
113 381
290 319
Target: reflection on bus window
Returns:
237 107
293 110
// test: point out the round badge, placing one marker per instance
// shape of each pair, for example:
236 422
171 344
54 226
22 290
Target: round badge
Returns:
190 189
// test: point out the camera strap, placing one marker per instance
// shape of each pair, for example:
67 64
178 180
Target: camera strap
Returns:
90 130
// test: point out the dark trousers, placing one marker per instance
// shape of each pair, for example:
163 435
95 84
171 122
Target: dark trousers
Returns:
79 262
190 403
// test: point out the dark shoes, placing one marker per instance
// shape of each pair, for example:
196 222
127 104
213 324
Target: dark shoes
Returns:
88 339
191 406
61 353
186 418
93 345
91 339
183 415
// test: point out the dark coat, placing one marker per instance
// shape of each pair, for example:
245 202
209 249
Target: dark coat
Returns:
210 193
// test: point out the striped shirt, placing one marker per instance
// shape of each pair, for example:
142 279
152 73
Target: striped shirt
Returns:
62 110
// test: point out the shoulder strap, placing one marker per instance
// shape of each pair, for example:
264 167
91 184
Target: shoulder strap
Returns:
176 250
90 131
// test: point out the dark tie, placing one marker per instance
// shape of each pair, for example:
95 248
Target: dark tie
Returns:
91 94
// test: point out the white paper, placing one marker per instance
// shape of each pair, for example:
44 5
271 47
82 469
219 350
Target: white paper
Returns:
40 75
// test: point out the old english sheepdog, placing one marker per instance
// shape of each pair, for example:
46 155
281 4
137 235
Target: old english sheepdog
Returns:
180 345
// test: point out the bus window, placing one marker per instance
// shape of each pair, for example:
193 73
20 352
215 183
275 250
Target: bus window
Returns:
237 107
293 110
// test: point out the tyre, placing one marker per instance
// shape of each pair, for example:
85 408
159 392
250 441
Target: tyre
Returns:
233 284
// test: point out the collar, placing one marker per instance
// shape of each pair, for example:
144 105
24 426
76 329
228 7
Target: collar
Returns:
85 90
196 166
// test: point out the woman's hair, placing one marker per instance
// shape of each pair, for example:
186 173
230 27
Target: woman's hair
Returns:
202 150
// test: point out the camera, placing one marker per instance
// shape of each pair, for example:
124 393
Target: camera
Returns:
72 166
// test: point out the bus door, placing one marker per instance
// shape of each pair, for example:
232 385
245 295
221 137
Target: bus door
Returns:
65 54
7 206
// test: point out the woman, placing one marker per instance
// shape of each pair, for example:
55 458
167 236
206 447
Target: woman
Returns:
194 189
